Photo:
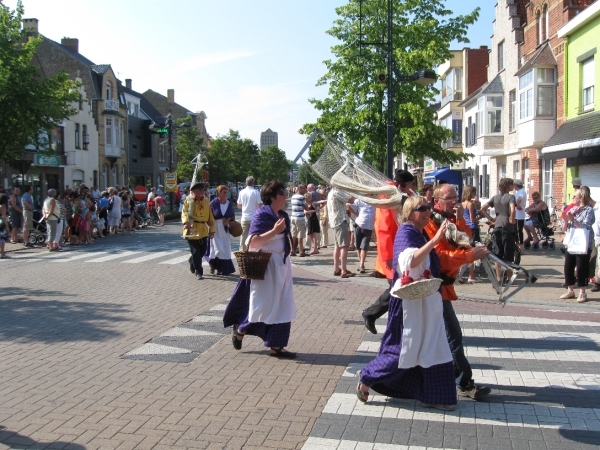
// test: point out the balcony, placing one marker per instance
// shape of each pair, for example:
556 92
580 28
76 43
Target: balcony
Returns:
535 132
112 151
111 105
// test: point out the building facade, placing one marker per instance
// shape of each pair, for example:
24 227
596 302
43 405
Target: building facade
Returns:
269 138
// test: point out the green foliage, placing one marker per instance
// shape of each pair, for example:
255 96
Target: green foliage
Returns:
272 164
189 142
306 176
355 110
232 159
29 103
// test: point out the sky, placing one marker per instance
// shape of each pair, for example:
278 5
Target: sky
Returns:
249 65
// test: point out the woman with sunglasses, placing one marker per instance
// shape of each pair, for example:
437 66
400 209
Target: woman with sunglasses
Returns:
266 308
414 359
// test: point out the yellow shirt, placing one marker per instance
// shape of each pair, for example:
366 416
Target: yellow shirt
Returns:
201 217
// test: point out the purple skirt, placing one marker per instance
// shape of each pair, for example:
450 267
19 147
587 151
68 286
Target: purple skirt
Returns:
236 314
433 385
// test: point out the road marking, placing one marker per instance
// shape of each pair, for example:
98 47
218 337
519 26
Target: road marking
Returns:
178 260
80 256
521 320
538 354
313 443
157 349
501 414
150 256
112 256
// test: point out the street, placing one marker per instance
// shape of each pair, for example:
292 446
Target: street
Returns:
116 345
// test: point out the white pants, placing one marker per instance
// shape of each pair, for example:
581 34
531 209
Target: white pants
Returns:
59 232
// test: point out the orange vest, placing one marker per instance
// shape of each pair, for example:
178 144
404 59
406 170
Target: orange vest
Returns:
451 257
385 230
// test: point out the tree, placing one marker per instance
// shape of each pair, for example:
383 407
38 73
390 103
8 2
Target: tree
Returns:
29 103
189 142
272 164
355 111
231 159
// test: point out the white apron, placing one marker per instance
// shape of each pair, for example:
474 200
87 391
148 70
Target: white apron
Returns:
272 299
220 244
424 341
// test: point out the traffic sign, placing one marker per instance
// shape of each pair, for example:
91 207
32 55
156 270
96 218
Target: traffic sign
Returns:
171 181
140 193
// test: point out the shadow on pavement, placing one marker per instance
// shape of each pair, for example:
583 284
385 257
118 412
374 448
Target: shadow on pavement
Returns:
542 343
581 436
15 440
545 396
30 315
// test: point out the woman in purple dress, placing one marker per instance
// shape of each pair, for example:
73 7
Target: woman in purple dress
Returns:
414 359
218 252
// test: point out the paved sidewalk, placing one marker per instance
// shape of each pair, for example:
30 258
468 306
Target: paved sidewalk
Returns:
70 376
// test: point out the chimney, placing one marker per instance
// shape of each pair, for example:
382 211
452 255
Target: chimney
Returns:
171 96
71 43
128 83
31 24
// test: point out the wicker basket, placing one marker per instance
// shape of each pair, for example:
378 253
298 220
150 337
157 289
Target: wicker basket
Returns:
252 265
416 290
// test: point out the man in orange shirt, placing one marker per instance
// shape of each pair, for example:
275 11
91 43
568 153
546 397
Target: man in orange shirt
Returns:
385 231
447 206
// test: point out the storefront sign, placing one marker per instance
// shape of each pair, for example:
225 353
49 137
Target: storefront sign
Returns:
45 160
170 181
457 126
429 165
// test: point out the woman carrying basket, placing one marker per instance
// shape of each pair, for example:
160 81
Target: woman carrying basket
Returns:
414 359
265 308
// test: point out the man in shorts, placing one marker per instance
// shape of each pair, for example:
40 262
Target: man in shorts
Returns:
16 214
27 207
298 219
336 204
363 228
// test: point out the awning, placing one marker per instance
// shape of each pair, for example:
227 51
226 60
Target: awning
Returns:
444 174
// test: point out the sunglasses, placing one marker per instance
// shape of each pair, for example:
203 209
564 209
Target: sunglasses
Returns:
422 208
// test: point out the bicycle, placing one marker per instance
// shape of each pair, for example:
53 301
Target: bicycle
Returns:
555 211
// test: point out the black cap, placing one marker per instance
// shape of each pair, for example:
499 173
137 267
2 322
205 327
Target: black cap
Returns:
403 176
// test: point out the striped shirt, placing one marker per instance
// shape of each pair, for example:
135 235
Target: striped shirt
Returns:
298 201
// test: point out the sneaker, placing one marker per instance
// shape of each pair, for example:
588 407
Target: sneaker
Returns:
27 244
568 294
473 391
473 280
582 297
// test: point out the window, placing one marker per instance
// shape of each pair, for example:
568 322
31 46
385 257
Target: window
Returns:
108 90
109 139
494 114
80 102
86 137
105 175
117 133
501 56
517 169
501 171
77 136
446 122
451 89
161 151
539 27
588 67
512 112
526 95
479 117
115 182
547 181
123 175
122 134
545 23
545 93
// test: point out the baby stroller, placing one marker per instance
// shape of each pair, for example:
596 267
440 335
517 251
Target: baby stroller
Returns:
543 230
141 215
39 234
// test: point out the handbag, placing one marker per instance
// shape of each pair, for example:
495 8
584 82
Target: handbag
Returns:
578 241
235 228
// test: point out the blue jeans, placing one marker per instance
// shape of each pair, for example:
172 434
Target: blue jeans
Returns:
462 368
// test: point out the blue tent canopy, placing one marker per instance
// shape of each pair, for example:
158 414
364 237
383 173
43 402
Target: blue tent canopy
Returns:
447 175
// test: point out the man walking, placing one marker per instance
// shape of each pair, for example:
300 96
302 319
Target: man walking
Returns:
448 207
336 204
248 201
298 218
199 224
16 214
27 208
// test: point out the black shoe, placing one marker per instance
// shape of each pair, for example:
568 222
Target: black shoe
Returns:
198 276
595 288
473 391
369 323
282 354
237 344
192 268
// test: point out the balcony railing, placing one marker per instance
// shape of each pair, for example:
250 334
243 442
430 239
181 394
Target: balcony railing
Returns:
112 105
113 151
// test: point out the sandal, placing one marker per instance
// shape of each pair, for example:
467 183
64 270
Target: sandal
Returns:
363 396
237 343
282 354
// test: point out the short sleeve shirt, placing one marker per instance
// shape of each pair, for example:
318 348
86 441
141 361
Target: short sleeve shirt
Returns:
26 198
249 198
298 202
501 203
520 215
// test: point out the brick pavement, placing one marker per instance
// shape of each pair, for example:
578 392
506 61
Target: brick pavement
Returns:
64 383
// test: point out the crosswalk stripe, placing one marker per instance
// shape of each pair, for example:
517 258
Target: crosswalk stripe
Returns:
178 260
484 319
501 414
538 354
80 256
150 256
313 443
112 256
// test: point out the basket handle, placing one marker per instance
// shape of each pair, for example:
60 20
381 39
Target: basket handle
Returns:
249 242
